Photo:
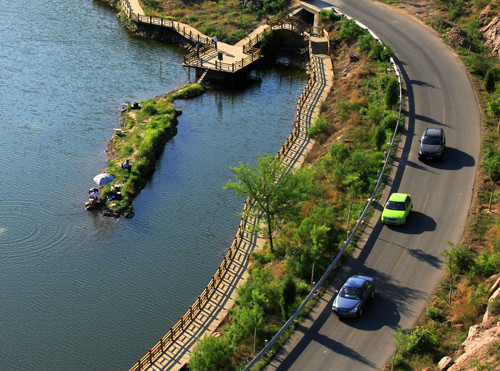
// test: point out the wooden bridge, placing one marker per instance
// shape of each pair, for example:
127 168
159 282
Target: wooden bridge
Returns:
223 57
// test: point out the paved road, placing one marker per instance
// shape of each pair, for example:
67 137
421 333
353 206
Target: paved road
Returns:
406 262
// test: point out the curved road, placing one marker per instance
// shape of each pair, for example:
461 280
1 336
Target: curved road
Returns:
406 262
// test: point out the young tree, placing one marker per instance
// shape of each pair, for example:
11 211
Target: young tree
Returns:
274 191
392 93
288 295
248 318
319 235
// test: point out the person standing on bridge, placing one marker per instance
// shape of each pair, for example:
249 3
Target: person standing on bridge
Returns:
214 40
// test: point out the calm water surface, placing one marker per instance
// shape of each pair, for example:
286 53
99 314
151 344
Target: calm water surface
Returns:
83 292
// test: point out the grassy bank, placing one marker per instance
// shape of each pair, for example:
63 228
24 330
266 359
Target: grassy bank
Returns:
141 140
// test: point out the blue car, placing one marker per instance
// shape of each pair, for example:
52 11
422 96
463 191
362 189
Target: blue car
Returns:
353 297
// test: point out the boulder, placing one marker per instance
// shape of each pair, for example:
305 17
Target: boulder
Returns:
445 363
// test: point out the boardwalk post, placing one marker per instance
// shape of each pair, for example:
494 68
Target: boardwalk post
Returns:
171 335
161 344
139 365
199 303
182 323
150 357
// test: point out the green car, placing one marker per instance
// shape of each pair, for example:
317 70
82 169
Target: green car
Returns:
397 209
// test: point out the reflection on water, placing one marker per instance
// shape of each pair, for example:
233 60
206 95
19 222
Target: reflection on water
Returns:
80 291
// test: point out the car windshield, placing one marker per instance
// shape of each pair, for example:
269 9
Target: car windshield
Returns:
431 140
393 205
350 292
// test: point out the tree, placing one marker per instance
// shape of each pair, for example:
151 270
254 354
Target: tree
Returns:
494 109
392 93
380 137
274 191
248 318
211 353
319 235
491 79
288 295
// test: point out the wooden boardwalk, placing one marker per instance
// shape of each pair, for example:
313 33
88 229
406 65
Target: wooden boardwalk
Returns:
225 57
173 350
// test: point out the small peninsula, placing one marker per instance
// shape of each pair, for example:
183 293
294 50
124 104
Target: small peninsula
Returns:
145 128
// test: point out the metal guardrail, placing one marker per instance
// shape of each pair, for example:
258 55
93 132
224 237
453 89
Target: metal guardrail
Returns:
333 264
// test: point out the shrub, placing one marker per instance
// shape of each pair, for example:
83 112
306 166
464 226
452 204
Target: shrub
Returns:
421 340
148 107
374 113
389 122
391 96
487 264
317 127
288 295
435 314
380 137
460 259
349 30
494 306
211 353
491 163
491 79
339 151
329 16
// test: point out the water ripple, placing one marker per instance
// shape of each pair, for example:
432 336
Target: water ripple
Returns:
24 234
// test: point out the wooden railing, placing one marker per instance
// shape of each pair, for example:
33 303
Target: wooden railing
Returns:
194 61
198 305
180 28
289 23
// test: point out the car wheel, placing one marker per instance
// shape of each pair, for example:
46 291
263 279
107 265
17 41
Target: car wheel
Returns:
373 293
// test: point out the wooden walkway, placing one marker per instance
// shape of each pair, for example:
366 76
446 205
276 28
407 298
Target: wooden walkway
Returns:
173 350
225 57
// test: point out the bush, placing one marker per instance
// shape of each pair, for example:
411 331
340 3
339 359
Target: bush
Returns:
435 314
460 259
288 295
491 78
349 30
380 137
149 108
329 16
391 96
491 163
317 127
487 264
211 353
389 122
420 340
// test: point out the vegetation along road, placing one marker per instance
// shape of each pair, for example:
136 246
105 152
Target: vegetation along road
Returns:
407 261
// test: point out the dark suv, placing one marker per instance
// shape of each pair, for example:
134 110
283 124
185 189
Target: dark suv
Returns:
432 145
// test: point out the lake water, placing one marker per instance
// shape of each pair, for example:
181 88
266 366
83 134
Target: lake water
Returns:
79 291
